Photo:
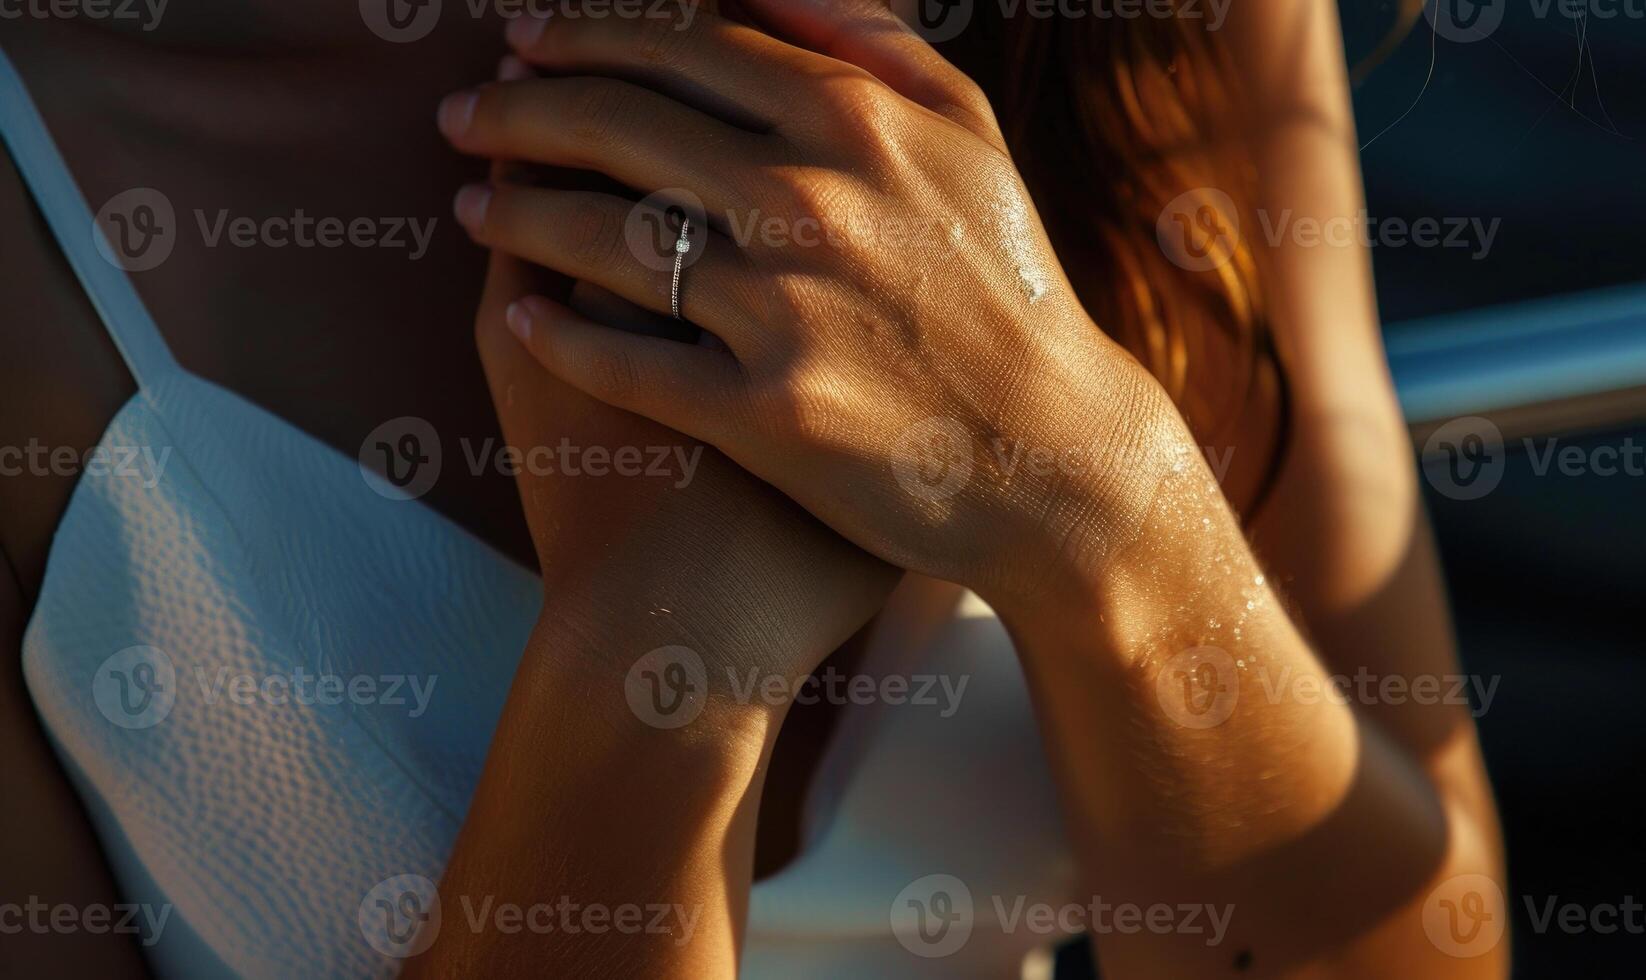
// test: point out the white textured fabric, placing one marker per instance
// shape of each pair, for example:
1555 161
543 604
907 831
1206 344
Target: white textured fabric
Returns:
258 551
241 547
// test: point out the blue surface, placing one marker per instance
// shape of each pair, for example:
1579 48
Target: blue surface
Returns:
1539 351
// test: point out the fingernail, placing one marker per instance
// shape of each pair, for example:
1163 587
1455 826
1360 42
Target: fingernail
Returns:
525 29
520 320
470 205
456 112
512 69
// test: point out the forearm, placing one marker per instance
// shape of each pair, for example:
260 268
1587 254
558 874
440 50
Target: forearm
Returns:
1203 761
627 845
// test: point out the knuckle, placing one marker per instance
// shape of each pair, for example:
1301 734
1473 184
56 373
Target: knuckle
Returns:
860 106
803 405
804 193
615 374
511 114
595 234
968 95
816 425
662 35
600 111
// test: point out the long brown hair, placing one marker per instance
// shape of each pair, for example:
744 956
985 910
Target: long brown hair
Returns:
1109 122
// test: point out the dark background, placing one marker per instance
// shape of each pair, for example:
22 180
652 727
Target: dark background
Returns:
1529 126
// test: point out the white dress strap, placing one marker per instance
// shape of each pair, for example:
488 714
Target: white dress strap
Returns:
101 268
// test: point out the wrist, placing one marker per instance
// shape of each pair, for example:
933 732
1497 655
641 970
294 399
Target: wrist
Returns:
1083 493
645 679
658 815
1181 576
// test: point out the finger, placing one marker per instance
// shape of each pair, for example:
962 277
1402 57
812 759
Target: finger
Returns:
507 279
515 380
511 69
506 276
604 306
624 247
638 137
514 69
689 389
730 70
867 34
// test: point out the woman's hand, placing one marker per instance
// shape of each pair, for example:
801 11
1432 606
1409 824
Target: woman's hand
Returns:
902 353
647 538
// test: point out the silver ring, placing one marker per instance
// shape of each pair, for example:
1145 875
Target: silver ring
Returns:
681 247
